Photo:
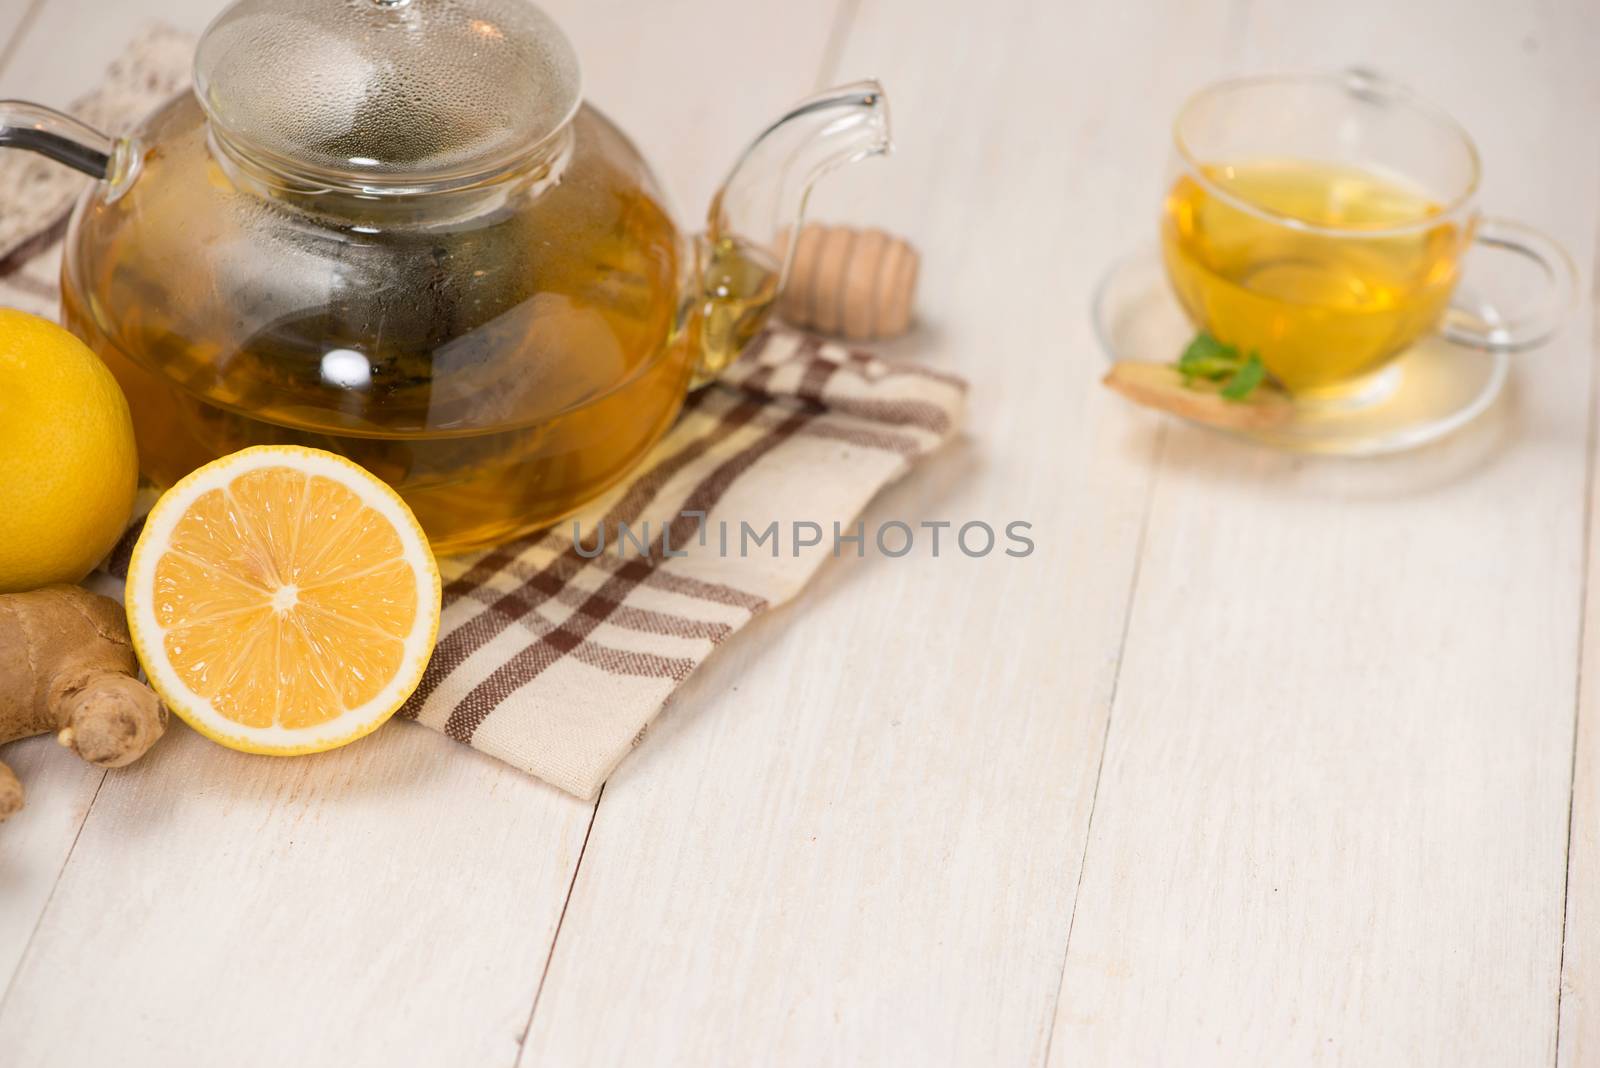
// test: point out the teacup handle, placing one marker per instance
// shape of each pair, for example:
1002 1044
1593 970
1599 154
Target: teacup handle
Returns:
1523 328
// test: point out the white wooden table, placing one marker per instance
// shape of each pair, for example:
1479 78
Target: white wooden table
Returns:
1257 760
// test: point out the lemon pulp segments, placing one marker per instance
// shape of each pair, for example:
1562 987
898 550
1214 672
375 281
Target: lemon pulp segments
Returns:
283 600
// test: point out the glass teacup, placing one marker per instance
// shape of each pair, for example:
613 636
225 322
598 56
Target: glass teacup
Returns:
1320 222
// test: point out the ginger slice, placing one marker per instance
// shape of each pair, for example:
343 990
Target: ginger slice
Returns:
1161 386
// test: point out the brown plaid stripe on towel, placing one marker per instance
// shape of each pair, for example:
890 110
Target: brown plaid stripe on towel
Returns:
553 657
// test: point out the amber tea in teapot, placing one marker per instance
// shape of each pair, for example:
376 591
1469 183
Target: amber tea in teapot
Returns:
396 384
442 264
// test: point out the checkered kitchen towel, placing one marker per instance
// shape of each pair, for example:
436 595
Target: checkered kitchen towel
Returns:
550 658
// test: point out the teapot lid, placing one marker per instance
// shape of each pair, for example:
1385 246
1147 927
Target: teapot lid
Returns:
386 95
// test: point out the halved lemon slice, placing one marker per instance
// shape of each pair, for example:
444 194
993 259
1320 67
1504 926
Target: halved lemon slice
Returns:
283 600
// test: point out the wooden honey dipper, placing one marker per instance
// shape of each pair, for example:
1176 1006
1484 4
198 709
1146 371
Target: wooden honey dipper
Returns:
857 284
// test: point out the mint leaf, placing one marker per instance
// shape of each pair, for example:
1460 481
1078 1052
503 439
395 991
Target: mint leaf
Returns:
1206 357
1245 379
1204 345
1212 368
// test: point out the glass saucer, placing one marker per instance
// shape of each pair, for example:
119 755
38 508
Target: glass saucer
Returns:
1429 390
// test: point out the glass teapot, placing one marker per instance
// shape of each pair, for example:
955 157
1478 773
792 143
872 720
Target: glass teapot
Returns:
392 229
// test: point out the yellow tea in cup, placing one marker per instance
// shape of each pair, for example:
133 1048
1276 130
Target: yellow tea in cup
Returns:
1314 231
1326 270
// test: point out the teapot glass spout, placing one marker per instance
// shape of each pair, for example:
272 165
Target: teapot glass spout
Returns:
744 255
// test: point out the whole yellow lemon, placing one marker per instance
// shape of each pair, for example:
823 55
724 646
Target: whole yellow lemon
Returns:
68 468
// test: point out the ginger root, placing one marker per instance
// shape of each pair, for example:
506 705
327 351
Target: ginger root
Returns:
67 667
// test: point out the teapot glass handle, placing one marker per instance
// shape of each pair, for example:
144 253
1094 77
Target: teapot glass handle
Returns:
56 136
1518 328
49 133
